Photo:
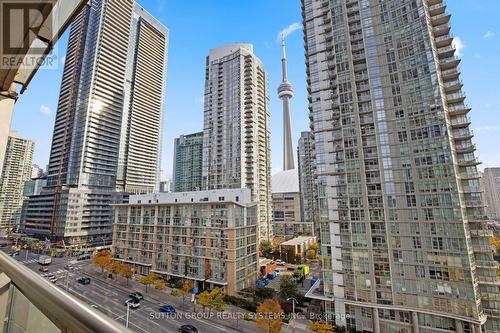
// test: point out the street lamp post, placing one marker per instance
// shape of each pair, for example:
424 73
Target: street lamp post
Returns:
128 312
293 310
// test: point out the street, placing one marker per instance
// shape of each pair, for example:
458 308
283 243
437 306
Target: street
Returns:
109 299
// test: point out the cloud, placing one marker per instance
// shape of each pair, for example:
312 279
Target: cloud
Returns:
488 128
45 110
288 30
459 45
63 59
489 34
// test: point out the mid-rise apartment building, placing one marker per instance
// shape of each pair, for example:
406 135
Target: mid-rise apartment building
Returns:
404 241
307 180
107 133
188 158
491 185
236 127
16 171
208 237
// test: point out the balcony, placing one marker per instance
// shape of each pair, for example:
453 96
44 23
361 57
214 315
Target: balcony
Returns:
446 52
456 97
450 74
441 30
465 148
466 163
459 122
29 302
455 109
437 9
452 86
449 63
469 175
443 40
440 19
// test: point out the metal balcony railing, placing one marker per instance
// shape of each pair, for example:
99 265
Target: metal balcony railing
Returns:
26 299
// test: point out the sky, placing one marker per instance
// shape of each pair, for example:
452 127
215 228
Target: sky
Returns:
196 26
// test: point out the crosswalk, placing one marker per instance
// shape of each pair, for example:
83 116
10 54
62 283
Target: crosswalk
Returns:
29 261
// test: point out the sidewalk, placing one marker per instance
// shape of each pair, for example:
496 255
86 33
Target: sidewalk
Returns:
231 317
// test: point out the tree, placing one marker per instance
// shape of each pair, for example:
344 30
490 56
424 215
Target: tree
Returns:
160 285
204 299
314 246
288 288
266 247
322 327
115 267
102 259
269 316
148 279
126 272
495 241
311 254
212 299
217 299
185 289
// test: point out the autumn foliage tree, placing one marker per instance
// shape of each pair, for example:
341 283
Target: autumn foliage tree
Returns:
115 267
321 327
269 316
185 290
126 271
149 279
102 259
212 299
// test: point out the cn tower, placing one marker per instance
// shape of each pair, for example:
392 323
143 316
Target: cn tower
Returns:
285 92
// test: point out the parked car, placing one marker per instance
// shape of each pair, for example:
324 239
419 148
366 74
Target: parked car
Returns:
277 272
266 281
167 309
280 262
132 302
53 279
48 275
136 294
188 329
271 275
260 283
84 256
43 269
69 267
83 280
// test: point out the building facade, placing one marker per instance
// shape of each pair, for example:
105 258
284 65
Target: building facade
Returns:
188 158
491 185
107 133
208 237
287 215
307 180
404 241
236 127
16 171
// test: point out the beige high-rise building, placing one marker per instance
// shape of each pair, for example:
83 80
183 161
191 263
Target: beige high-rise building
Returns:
236 127
16 171
491 185
404 238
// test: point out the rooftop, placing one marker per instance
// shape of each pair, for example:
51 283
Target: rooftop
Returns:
299 240
240 196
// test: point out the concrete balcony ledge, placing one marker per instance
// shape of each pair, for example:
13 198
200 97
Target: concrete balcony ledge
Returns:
28 300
